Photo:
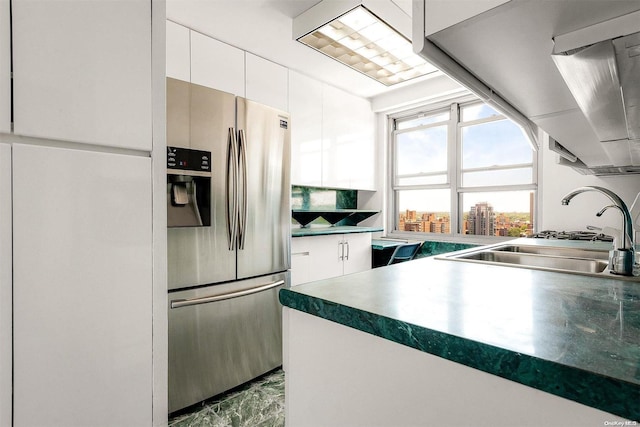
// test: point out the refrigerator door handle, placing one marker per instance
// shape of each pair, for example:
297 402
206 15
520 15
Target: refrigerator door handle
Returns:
213 298
232 193
244 211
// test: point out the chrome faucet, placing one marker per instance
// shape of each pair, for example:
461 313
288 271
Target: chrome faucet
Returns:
622 257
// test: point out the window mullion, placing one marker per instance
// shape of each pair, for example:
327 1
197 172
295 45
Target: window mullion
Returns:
453 167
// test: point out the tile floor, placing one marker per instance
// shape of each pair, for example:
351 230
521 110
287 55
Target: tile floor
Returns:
259 403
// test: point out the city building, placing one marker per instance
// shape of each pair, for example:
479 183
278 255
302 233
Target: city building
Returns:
481 220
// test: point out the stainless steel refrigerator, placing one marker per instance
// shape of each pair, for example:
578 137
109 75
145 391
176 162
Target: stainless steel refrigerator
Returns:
228 206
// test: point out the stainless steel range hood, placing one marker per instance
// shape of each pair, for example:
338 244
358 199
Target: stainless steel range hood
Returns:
604 78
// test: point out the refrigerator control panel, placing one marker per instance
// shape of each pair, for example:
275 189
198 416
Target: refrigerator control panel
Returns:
188 160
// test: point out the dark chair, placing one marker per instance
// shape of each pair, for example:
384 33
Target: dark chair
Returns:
405 252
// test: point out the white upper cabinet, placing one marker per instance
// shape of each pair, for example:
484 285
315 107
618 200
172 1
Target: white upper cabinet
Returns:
267 82
178 52
348 145
332 136
217 65
82 71
305 95
5 67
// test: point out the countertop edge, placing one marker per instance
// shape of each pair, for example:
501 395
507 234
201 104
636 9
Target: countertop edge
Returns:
589 388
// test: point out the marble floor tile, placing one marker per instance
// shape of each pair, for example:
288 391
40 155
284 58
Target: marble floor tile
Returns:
259 403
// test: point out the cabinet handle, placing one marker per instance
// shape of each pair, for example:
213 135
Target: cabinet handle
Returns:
347 257
341 251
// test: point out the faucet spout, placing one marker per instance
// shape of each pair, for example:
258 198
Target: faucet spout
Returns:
622 258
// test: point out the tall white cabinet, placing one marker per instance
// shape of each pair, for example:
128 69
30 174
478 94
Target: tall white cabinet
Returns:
6 297
82 275
80 196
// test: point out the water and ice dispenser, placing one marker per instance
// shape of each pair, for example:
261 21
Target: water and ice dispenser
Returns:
188 187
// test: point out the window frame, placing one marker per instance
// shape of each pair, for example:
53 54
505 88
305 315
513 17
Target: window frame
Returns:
454 171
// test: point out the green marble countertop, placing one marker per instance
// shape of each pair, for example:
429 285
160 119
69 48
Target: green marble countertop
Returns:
380 244
571 335
319 231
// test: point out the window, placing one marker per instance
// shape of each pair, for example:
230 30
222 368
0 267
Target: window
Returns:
461 169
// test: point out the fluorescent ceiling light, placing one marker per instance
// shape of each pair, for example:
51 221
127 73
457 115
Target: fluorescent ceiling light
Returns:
362 41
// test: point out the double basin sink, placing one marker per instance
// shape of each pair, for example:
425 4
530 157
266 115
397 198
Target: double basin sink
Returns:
592 262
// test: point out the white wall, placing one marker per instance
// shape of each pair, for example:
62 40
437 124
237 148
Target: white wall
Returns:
559 180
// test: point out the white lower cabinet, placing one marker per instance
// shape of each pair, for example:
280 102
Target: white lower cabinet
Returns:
82 285
329 255
357 374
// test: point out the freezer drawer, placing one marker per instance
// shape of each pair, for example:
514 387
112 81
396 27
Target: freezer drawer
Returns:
223 335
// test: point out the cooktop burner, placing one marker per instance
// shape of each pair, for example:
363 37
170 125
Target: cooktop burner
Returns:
572 235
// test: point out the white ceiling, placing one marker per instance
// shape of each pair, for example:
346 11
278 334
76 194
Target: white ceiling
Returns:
264 28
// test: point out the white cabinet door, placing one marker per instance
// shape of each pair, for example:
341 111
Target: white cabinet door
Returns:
5 69
348 148
267 82
82 71
216 65
331 255
305 104
178 52
82 288
300 260
358 253
6 349
361 172
324 259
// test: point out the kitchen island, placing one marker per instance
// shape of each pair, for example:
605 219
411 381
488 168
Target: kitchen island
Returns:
434 342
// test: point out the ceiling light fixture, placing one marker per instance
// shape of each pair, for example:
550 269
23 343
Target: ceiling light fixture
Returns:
364 42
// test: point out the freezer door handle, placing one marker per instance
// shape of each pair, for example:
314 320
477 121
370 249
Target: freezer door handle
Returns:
244 212
232 193
213 298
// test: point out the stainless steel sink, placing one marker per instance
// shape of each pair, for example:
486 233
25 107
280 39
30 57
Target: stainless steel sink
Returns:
562 259
555 251
584 265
